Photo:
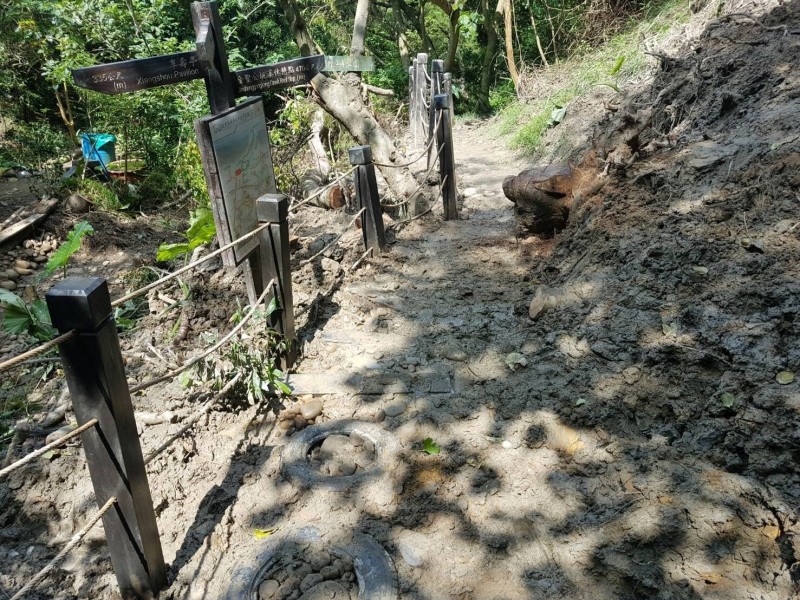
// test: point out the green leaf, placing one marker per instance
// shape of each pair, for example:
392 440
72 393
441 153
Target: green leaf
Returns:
617 66
273 306
727 399
430 447
784 377
61 257
260 534
169 251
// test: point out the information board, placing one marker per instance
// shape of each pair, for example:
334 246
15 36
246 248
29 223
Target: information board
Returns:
239 169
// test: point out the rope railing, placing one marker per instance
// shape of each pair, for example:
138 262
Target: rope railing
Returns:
193 419
321 191
18 360
74 541
45 449
189 267
211 350
423 213
335 240
420 157
21 358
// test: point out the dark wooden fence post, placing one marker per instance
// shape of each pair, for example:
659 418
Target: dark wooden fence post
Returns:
96 378
437 73
367 192
274 252
447 167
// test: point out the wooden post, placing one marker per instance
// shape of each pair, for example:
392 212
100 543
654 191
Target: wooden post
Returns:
412 105
274 253
367 192
437 73
213 57
447 167
447 88
96 379
420 95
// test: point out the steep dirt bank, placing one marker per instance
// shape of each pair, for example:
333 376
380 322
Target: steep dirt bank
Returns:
631 442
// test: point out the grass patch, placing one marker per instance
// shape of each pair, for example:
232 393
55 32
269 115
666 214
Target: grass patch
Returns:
585 70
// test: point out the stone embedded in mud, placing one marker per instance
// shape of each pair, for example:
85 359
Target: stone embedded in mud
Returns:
327 590
310 581
268 590
311 409
395 410
333 446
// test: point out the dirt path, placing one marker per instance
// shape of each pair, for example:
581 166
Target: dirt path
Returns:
632 441
559 473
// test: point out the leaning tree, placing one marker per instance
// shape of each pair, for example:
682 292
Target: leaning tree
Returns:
342 99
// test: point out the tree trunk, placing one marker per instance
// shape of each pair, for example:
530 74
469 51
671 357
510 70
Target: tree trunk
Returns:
341 98
490 18
359 28
504 6
454 14
302 36
402 40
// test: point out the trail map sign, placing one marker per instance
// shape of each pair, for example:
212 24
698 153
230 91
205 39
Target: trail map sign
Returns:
242 165
233 141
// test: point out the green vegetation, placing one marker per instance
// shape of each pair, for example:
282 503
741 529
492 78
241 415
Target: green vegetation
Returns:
496 50
611 64
201 231
60 258
19 317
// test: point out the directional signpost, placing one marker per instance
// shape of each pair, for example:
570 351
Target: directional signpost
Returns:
236 176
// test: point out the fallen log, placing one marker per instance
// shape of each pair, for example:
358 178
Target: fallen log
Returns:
542 197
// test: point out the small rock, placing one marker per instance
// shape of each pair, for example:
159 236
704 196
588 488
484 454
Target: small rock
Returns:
286 424
299 423
8 285
268 589
379 416
342 467
11 274
469 192
23 272
631 375
333 446
319 560
507 445
310 581
38 259
58 433
78 203
330 265
329 573
311 410
395 410
22 264
410 546
326 591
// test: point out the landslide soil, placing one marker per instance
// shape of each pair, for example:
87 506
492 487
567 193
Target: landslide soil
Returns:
632 441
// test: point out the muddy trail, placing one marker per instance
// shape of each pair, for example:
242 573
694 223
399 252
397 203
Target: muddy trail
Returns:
635 436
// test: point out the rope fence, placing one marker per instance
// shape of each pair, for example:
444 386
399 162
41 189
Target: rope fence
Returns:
211 350
311 259
45 449
76 539
104 376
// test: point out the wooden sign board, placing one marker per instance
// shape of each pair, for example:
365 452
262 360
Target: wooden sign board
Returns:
297 71
145 73
237 160
139 74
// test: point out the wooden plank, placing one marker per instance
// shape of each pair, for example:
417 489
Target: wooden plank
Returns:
139 74
12 235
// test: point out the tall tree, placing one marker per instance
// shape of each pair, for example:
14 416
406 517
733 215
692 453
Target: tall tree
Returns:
342 99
